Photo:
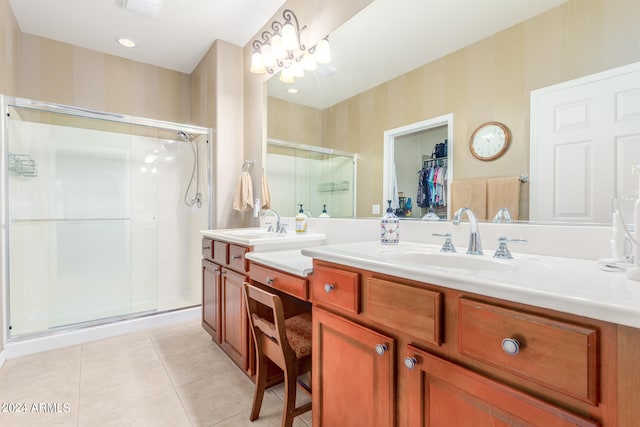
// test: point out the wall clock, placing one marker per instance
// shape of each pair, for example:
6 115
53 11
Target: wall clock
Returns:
489 141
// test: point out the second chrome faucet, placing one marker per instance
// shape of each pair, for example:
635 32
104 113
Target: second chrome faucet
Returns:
475 246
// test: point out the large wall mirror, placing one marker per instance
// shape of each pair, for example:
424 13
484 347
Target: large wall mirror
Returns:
430 60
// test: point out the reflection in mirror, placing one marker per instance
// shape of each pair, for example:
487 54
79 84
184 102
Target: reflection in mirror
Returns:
417 169
321 180
592 157
478 74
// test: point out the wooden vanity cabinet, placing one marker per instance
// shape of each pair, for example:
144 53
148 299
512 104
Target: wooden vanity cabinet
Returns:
353 373
224 269
211 299
234 333
570 370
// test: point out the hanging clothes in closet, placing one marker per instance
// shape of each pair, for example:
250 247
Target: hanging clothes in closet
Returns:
432 184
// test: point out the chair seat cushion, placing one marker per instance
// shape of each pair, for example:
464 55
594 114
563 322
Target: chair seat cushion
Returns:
299 334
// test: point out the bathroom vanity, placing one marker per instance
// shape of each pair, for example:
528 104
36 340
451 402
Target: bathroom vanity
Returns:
405 335
225 268
397 343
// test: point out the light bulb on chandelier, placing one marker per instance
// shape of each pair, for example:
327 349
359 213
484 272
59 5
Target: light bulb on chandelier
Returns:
282 49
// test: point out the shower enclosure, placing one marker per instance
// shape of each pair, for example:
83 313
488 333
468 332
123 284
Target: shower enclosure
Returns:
312 176
101 216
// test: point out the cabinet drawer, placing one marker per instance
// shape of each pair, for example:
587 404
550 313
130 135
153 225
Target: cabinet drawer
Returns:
556 354
415 311
220 252
207 248
336 288
287 283
236 258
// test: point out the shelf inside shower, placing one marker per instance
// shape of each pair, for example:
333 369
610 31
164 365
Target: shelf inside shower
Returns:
23 165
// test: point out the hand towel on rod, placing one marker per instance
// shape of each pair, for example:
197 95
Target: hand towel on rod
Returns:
243 199
472 194
266 194
503 193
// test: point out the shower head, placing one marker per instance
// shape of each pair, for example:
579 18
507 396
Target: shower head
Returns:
186 137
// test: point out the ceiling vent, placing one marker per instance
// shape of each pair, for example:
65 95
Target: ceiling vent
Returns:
146 8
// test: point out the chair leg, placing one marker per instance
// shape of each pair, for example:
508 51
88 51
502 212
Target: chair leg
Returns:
290 384
261 385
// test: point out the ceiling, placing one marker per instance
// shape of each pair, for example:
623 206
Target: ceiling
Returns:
387 38
177 38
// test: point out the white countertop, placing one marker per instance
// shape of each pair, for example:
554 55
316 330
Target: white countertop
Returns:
289 261
262 240
565 284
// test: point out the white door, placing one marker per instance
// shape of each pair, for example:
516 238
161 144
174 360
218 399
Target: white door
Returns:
585 137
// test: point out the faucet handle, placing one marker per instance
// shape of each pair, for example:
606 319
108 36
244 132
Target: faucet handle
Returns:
282 229
270 229
503 251
447 246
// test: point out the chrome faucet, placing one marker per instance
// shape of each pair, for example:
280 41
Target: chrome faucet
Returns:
502 213
475 246
279 227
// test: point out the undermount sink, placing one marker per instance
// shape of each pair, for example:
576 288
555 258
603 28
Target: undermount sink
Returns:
253 234
260 239
451 260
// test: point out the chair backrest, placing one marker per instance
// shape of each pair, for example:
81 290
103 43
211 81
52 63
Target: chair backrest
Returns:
266 319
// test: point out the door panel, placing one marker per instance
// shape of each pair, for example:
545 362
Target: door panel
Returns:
234 331
353 385
584 139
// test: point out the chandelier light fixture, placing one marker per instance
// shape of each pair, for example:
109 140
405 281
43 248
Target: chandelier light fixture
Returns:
281 49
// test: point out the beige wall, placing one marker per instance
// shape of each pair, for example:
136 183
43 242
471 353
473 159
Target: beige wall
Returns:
60 73
218 103
489 80
294 122
9 33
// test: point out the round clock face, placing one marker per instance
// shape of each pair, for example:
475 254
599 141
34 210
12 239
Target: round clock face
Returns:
489 141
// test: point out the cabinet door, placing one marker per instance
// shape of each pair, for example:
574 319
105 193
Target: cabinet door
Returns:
443 394
211 299
234 334
353 374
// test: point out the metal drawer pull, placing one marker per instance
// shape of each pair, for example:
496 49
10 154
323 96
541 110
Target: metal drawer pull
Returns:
237 257
511 346
381 349
410 362
270 281
329 287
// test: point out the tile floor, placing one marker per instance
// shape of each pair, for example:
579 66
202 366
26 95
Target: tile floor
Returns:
172 376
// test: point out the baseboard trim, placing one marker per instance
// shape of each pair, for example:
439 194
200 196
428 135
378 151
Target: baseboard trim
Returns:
20 348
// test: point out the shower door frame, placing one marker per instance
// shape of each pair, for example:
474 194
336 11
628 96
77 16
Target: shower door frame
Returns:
8 101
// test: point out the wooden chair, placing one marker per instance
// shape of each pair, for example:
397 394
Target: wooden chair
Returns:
286 342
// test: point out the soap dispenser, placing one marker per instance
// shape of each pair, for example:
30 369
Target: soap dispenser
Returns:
390 227
324 213
301 221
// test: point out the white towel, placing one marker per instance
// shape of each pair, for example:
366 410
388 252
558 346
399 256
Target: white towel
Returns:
266 194
243 200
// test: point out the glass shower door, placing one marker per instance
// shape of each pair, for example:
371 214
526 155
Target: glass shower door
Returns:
81 249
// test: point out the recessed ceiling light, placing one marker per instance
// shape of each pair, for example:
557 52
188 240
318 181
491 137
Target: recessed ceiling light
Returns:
292 90
123 41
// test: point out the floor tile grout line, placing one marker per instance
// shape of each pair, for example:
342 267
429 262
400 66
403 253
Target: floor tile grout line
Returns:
173 385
